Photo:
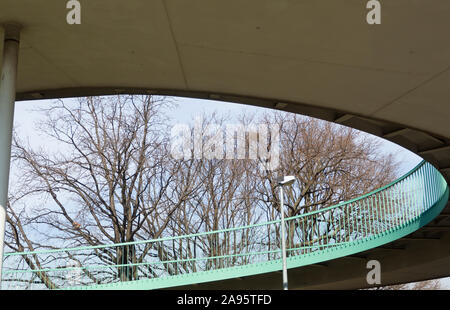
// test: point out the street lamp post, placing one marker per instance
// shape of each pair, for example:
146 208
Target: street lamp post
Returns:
287 180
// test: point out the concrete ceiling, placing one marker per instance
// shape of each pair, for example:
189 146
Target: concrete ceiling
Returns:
320 53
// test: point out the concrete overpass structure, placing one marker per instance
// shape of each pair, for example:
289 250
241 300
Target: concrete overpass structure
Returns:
318 58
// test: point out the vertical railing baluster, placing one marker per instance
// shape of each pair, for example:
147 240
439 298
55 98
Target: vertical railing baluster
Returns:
416 189
427 190
371 217
407 199
385 211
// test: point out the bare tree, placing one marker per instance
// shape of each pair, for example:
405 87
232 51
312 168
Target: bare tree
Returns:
225 198
113 180
110 181
331 164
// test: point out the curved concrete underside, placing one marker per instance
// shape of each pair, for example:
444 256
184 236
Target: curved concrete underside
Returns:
320 57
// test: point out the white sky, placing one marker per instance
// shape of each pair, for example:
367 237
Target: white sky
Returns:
26 117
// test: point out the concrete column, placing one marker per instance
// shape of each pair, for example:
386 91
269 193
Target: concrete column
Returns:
7 99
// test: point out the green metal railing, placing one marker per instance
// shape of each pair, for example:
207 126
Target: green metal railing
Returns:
366 222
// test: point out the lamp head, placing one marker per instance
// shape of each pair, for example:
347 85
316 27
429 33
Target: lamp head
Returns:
286 180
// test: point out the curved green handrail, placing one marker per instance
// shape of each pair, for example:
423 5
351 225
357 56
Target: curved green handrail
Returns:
371 220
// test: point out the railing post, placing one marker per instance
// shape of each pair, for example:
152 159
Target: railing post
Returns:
7 98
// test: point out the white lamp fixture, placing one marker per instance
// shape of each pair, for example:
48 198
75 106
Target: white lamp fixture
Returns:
287 180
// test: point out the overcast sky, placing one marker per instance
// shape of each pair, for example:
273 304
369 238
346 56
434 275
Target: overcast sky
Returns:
26 117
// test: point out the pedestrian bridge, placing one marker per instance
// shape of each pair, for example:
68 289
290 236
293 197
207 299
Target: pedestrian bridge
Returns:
351 227
318 58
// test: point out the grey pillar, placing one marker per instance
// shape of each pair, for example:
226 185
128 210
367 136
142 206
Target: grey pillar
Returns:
7 99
